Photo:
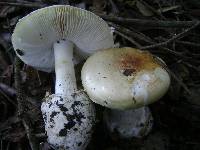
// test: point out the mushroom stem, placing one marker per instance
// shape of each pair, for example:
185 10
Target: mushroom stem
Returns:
64 68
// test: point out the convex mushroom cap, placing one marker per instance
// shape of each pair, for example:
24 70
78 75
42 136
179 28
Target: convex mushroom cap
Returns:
124 78
35 34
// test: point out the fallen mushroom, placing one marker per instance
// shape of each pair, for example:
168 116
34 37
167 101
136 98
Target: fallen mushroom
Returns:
48 36
125 78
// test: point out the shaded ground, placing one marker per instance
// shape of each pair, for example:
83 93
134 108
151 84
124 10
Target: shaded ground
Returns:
167 28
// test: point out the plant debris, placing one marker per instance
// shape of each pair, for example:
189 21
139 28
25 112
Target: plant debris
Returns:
168 29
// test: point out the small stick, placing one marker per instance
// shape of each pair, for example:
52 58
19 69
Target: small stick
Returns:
8 99
149 23
174 76
152 9
145 39
31 5
1 144
188 43
178 36
131 33
40 82
7 89
128 38
8 146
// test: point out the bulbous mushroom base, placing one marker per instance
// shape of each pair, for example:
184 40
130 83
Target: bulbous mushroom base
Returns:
68 120
130 123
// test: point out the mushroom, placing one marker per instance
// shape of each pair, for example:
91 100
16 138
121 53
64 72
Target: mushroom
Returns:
46 39
124 79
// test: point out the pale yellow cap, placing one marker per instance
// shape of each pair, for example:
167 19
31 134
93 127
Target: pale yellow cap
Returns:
124 78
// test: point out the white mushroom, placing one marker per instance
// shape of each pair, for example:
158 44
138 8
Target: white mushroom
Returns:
48 37
125 78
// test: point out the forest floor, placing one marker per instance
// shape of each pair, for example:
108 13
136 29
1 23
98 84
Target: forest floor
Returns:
168 29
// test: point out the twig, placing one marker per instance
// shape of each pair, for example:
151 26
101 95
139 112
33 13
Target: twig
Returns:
4 110
21 107
175 53
8 146
7 98
174 76
40 82
152 9
3 61
18 86
131 33
32 139
128 38
1 144
146 39
41 135
178 36
191 66
31 5
188 43
12 92
8 90
180 82
149 23
115 10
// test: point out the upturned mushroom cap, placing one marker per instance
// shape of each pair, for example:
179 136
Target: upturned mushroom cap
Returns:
124 78
68 120
35 34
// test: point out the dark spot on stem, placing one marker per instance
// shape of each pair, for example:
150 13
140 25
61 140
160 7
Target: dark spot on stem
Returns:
41 36
53 114
68 126
50 103
75 129
61 99
61 106
134 101
79 144
73 95
63 132
141 125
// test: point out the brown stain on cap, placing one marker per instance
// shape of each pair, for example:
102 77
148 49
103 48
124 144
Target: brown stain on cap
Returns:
133 60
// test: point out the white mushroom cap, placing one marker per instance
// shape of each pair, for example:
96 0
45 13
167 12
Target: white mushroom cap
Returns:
35 34
129 123
68 120
124 78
